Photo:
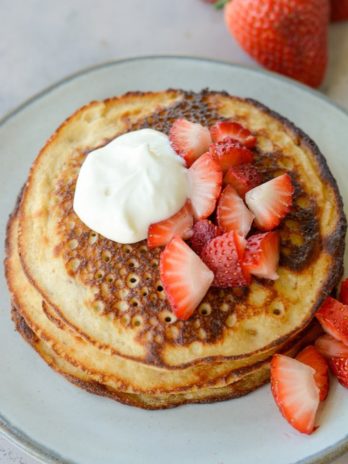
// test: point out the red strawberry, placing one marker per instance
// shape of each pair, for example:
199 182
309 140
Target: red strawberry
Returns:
228 152
180 224
339 10
223 256
344 292
333 317
314 359
185 277
271 201
339 367
295 392
262 255
234 130
282 35
189 140
232 214
203 232
330 347
205 179
243 178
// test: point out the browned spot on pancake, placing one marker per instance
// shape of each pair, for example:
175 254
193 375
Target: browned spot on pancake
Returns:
127 276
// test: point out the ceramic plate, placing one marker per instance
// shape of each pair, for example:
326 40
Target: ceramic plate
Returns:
56 421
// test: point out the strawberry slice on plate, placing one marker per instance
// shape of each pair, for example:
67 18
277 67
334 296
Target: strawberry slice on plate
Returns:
243 178
229 152
205 179
270 201
295 392
311 356
203 231
179 224
223 255
344 292
330 347
236 131
189 140
333 317
232 214
262 255
185 277
339 367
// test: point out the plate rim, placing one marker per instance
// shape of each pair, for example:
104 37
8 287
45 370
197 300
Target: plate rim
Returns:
15 435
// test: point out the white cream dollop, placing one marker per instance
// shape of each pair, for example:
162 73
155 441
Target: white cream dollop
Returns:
134 181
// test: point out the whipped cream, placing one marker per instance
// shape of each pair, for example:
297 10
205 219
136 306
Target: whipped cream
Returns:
134 181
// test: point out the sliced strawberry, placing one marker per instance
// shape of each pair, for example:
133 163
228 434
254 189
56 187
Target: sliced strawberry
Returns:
295 392
232 214
243 178
333 317
189 140
262 255
339 367
203 231
223 129
271 201
205 179
223 256
330 347
314 359
185 277
229 152
344 292
180 224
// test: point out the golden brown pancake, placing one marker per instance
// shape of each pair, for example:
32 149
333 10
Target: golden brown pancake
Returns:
100 306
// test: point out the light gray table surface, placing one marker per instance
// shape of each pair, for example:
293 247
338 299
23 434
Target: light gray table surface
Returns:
43 41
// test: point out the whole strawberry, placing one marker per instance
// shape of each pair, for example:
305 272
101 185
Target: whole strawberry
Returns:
339 10
286 36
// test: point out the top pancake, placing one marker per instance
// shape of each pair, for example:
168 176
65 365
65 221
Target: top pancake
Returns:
111 294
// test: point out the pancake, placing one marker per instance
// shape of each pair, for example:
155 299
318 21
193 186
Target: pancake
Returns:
96 310
115 372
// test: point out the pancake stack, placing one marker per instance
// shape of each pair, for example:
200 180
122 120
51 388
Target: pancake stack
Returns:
96 311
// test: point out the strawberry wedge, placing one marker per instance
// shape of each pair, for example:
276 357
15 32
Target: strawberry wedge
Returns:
205 179
185 277
189 140
271 201
160 233
203 231
311 356
330 347
339 367
229 152
333 317
243 178
295 392
262 255
232 214
236 131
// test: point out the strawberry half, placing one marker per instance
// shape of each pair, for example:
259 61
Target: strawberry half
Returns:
229 152
344 292
243 178
295 392
179 224
223 255
339 367
185 277
271 201
205 179
262 255
189 140
203 231
330 347
232 214
333 317
314 359
234 130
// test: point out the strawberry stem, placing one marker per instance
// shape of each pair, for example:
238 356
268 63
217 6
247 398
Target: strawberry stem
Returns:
219 4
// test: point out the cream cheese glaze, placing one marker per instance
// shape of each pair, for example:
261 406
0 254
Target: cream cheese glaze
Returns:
135 180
